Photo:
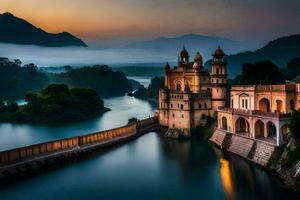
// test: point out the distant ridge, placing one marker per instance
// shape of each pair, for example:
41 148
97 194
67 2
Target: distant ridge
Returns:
280 51
188 40
170 46
18 31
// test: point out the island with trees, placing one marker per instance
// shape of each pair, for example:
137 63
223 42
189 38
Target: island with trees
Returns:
56 104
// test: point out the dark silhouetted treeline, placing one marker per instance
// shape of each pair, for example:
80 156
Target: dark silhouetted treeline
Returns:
16 80
55 104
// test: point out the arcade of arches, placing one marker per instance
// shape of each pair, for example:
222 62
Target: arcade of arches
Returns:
262 128
264 105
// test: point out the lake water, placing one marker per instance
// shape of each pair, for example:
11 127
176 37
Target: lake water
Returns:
144 80
150 167
123 108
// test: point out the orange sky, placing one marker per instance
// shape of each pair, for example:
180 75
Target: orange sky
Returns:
100 19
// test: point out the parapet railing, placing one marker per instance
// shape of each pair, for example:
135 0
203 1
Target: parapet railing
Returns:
254 112
74 143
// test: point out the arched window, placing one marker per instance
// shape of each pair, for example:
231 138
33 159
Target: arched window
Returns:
203 116
200 106
242 126
264 105
171 105
205 105
173 115
178 87
182 116
224 123
217 71
271 129
259 129
292 104
279 106
181 106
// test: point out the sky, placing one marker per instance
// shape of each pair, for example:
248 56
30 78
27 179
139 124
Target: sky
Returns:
118 21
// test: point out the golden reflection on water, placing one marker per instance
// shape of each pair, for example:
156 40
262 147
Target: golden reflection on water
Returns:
226 178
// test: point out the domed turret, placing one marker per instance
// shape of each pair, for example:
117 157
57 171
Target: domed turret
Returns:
198 57
184 53
183 58
219 53
198 60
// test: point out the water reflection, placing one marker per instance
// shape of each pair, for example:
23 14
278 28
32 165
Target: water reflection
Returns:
226 178
123 108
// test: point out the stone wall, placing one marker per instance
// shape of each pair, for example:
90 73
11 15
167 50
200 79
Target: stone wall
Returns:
240 146
256 151
262 153
75 143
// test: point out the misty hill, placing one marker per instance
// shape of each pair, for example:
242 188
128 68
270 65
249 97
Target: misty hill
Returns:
16 80
170 47
18 31
279 51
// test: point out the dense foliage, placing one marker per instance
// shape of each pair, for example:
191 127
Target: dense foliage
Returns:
292 69
15 80
102 79
261 72
279 51
56 104
152 91
295 124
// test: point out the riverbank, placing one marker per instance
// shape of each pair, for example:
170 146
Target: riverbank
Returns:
265 155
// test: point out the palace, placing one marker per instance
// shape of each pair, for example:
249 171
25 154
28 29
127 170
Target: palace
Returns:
191 93
260 112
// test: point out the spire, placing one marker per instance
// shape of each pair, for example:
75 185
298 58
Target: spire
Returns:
184 53
198 57
167 66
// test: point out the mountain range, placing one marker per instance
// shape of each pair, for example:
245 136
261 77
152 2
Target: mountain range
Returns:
18 31
279 51
170 46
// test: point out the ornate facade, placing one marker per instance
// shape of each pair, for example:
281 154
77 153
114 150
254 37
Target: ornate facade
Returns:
260 112
191 93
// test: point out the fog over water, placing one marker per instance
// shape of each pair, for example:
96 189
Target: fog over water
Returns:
79 56
46 56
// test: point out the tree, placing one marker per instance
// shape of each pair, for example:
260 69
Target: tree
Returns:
18 62
261 72
295 124
31 68
292 69
32 101
68 68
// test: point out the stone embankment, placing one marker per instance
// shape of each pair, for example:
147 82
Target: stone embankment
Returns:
24 159
250 149
261 153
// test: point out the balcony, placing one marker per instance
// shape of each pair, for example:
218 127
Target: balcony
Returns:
257 113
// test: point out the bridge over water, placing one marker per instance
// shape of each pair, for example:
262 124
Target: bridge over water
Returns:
20 160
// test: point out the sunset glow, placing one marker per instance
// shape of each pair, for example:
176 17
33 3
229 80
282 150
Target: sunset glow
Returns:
101 19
